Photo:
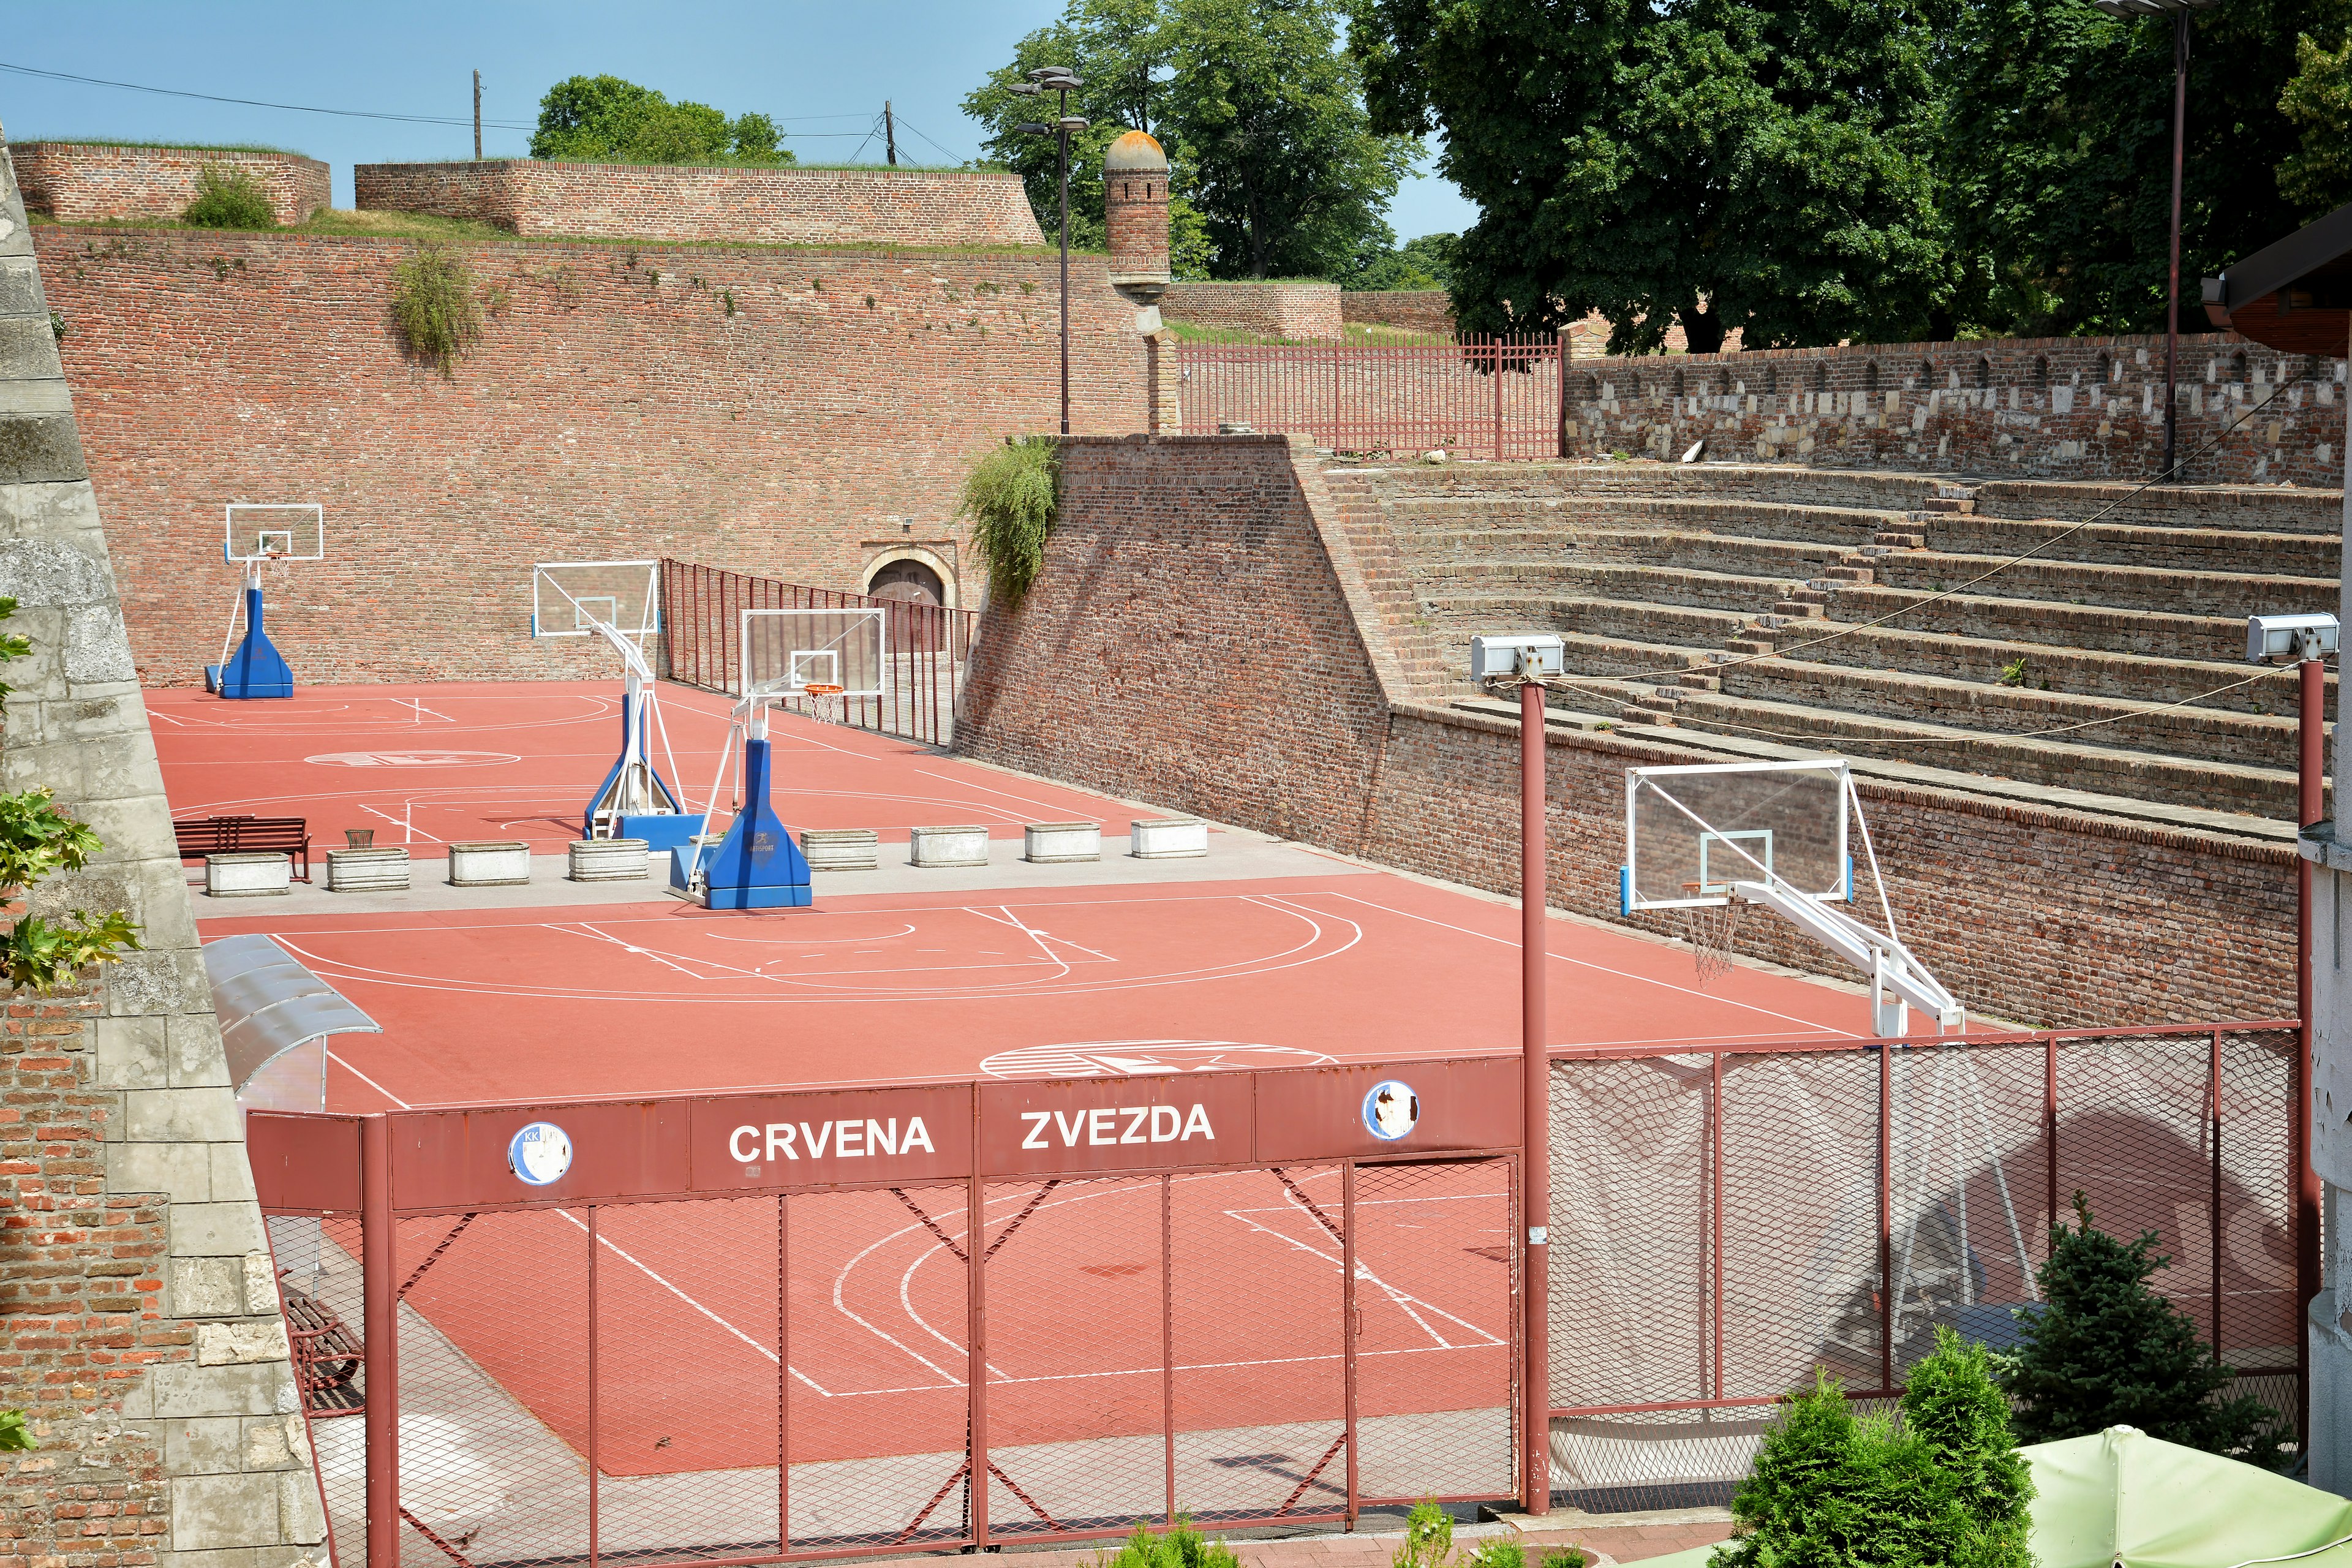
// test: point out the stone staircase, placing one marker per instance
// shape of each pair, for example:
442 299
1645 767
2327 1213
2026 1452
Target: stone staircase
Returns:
1893 616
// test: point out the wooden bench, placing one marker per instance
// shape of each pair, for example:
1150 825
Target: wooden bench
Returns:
203 835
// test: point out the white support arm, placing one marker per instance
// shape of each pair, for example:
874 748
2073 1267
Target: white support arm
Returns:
1887 961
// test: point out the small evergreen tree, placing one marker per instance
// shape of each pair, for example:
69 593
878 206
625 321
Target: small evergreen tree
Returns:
1952 1404
2105 1350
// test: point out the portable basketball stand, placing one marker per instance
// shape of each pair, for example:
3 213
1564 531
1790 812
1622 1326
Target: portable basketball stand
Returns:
257 669
822 655
635 801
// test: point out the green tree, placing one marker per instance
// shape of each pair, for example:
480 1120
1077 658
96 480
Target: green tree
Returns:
1423 263
603 118
1717 163
2058 155
2105 1350
1276 171
1953 1405
2317 101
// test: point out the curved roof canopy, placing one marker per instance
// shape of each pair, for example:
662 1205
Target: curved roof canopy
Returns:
269 1005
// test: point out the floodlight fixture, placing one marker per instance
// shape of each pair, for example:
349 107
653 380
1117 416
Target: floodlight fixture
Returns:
1071 123
1025 89
1530 656
2290 639
1029 127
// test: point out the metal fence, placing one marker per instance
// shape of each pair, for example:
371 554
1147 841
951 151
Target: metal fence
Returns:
1725 1220
750 1329
924 647
1483 397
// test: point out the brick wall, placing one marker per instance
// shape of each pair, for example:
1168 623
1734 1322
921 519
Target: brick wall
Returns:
138 1314
616 409
1278 309
1413 309
1267 695
1135 225
2063 407
75 182
771 206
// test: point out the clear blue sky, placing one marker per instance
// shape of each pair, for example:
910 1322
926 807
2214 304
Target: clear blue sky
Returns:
823 70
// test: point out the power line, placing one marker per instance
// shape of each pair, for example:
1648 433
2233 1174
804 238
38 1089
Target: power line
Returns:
262 103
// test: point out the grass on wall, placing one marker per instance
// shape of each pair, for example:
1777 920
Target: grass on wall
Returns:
433 300
229 197
1350 333
167 146
1013 495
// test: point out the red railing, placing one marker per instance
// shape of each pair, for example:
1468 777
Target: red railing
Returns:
1483 397
925 646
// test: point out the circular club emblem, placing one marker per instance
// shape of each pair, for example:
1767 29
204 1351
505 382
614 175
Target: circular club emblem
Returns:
539 1153
426 759
1391 1110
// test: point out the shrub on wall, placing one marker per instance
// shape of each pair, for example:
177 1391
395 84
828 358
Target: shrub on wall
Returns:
229 197
1011 496
433 300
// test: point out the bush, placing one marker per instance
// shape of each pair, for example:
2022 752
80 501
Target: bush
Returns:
229 197
1011 496
1944 1486
2105 1350
433 300
1181 1547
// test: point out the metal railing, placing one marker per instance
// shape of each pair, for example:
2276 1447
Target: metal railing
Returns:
925 646
1482 398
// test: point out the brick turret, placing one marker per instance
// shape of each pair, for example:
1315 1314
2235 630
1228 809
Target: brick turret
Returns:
1135 213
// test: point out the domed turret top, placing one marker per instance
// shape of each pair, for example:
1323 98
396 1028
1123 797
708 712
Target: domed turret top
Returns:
1135 153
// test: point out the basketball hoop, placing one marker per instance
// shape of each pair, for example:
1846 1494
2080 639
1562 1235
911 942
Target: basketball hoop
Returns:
826 701
1710 930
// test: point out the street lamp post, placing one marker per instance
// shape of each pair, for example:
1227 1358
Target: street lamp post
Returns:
2179 10
1060 80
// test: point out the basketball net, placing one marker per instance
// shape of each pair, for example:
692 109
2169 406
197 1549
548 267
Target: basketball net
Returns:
1710 930
825 702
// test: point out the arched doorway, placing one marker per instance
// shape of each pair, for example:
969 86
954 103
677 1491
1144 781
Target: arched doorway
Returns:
909 580
913 599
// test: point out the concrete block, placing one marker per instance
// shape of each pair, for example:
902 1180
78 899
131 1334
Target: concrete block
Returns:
273 1442
1058 843
182 1171
20 289
180 1116
234 1344
210 1511
232 1172
130 1053
166 981
841 849
494 864
205 1287
207 1445
48 573
28 349
261 1285
301 1518
192 1052
184 1389
1171 839
368 870
65 512
607 860
216 1230
35 396
248 876
958 845
97 651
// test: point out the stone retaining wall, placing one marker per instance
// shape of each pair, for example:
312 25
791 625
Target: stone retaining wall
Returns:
79 182
770 206
1412 310
1275 310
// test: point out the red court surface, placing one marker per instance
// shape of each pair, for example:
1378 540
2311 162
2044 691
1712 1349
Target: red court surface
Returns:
427 764
664 997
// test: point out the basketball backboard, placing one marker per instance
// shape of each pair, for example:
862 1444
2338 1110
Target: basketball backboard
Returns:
784 652
273 531
1692 831
570 598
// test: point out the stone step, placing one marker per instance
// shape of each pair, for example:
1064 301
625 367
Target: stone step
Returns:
1414 516
1441 555
2141 776
2163 548
2259 508
2212 734
1859 488
2230 595
1678 626
1613 580
1900 539
2041 621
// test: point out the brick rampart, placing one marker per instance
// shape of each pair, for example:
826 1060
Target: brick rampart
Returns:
1413 309
1277 310
140 1327
792 413
769 207
2058 407
1263 701
78 182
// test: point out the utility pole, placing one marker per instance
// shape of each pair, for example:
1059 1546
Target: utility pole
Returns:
1061 81
889 134
477 117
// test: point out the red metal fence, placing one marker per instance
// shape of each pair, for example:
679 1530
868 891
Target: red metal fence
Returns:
749 1329
1483 397
1724 1220
924 647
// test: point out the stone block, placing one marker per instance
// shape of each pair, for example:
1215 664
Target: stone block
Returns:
237 1509
232 1171
170 980
248 876
182 1389
180 1116
234 1344
956 846
273 1442
216 1230
27 348
205 1287
20 289
205 1445
261 1285
301 1518
130 1053
182 1171
47 573
65 510
193 1051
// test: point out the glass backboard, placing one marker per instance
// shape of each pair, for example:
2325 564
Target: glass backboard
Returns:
1692 831
274 530
568 598
785 652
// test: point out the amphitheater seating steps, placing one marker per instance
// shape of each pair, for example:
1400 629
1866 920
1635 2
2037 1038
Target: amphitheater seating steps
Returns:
1673 583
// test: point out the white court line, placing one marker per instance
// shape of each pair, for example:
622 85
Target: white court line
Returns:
1035 935
1400 1298
371 1082
1587 963
1025 800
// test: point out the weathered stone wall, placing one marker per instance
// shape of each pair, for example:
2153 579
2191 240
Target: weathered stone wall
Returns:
139 1315
771 206
1275 310
1413 309
79 182
792 413
2065 407
1239 661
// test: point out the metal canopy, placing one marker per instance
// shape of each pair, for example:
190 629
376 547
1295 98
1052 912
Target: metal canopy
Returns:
2294 295
269 1005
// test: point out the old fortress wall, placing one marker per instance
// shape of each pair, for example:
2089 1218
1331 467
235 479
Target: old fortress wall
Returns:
80 181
